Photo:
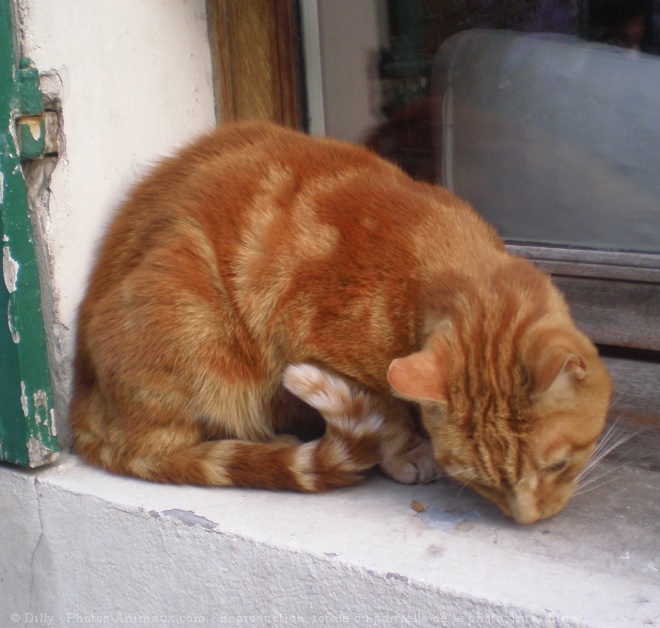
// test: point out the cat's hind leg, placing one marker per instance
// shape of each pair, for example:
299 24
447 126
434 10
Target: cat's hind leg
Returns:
346 449
172 448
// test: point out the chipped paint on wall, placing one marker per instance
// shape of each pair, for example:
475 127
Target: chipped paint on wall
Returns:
187 517
40 402
24 414
53 424
38 454
9 270
24 399
34 125
15 336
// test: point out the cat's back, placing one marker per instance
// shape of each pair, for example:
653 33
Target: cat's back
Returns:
216 179
257 179
222 174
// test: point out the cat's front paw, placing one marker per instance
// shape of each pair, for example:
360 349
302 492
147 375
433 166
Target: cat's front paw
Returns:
416 466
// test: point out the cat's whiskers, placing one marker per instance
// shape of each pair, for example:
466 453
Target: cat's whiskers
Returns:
611 439
470 472
440 475
615 436
583 486
586 488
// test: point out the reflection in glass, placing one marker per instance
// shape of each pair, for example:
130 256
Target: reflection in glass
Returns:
553 139
550 135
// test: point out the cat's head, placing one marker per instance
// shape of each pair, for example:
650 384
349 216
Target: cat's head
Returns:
517 424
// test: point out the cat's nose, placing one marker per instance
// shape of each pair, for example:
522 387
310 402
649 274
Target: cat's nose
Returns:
525 518
524 507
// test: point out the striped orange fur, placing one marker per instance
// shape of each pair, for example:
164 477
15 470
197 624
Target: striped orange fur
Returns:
262 279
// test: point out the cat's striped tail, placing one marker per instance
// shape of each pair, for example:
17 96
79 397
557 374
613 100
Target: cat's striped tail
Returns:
349 446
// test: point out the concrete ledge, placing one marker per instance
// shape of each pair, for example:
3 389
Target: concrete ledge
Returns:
85 548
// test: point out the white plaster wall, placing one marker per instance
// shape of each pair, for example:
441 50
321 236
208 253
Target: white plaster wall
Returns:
134 80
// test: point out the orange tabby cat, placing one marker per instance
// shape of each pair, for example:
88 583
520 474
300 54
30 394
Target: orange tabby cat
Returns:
258 248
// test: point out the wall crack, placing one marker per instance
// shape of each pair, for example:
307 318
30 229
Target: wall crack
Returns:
37 546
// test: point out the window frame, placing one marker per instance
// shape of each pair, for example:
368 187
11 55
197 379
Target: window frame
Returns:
27 414
257 60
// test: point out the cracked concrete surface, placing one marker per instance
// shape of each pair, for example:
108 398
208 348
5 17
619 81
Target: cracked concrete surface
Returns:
103 544
20 534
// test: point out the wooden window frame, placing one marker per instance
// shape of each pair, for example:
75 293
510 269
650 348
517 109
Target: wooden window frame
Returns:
257 60
27 414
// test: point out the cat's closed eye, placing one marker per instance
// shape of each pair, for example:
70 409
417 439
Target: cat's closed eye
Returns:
556 467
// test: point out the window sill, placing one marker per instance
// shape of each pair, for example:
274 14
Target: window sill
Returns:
92 544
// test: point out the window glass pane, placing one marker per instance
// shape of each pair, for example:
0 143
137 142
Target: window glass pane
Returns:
542 113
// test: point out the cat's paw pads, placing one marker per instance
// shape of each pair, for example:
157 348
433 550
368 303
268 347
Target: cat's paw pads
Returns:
416 466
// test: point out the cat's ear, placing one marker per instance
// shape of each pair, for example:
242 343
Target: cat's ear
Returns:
557 369
421 376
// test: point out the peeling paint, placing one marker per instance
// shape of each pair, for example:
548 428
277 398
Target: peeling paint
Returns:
15 336
24 400
9 270
34 124
25 374
189 518
40 402
38 454
41 399
53 426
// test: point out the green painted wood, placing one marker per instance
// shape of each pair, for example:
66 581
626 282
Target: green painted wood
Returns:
27 418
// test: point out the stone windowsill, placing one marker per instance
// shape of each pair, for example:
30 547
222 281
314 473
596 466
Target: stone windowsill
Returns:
89 545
